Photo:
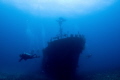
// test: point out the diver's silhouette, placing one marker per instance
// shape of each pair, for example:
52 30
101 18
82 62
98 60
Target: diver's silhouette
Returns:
25 56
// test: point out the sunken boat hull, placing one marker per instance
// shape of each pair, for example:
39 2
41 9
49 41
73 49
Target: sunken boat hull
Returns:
60 57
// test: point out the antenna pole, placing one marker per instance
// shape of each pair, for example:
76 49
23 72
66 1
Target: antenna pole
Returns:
61 31
60 21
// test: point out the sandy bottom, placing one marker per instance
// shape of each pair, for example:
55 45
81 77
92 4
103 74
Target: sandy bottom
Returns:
112 75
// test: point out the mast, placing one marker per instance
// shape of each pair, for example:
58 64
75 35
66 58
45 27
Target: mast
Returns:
60 21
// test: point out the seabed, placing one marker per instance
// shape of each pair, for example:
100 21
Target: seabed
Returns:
111 75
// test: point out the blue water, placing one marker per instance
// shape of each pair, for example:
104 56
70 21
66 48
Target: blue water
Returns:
22 31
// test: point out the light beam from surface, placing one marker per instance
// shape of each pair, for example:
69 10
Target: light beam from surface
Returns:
58 7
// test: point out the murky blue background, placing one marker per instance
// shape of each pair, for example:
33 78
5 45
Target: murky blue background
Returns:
22 32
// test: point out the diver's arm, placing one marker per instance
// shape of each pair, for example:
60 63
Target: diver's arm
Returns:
35 56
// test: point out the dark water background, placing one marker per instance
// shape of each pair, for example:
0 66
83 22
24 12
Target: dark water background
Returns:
22 32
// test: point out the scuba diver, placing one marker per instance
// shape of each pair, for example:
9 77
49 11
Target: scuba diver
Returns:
25 56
